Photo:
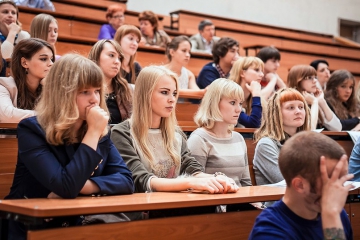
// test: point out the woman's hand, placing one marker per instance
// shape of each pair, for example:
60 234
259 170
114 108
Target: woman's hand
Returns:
96 118
13 28
254 88
310 98
228 184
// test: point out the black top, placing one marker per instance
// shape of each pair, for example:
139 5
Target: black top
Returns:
347 124
115 116
128 76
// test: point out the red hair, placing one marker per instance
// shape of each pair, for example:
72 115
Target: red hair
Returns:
113 9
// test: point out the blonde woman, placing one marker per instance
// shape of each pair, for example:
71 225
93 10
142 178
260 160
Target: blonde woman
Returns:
286 114
128 36
248 72
152 145
108 56
45 27
65 150
303 79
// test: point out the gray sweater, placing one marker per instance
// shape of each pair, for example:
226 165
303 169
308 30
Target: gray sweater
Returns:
265 162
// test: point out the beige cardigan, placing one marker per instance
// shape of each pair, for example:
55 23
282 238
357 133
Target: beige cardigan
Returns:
9 113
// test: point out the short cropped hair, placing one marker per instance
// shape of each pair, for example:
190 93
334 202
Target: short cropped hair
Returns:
204 23
300 156
221 48
267 53
151 17
316 63
209 111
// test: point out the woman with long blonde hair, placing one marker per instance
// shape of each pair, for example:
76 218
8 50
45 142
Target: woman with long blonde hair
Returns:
65 150
107 54
153 146
128 36
286 114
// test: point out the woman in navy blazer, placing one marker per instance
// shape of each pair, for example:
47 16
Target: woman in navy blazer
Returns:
66 150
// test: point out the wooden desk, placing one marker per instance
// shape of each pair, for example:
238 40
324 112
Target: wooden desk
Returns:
234 225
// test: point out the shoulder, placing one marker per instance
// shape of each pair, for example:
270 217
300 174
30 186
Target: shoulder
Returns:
216 38
30 123
23 35
162 33
195 37
238 137
209 67
267 140
7 82
122 127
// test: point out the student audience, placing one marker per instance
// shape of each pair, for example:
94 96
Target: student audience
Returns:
65 150
151 35
285 115
205 39
248 72
322 72
178 54
303 78
225 53
312 207
30 63
271 58
128 36
108 56
153 146
45 27
115 17
341 96
10 28
42 4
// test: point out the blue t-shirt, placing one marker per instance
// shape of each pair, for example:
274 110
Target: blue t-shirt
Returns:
279 222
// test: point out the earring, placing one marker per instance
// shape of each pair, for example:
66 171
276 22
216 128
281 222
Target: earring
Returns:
26 71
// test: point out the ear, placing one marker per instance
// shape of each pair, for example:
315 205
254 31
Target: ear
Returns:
242 74
23 62
299 184
171 52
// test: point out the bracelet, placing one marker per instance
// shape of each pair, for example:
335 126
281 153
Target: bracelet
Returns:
219 174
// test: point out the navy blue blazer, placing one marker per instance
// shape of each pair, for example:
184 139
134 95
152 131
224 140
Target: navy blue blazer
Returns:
43 168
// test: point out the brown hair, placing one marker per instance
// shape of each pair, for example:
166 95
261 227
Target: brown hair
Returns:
119 84
120 33
39 27
26 48
174 44
113 9
342 110
17 10
151 17
300 156
221 48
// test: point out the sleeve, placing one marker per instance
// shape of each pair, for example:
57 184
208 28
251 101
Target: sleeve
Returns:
198 149
207 75
116 178
334 124
245 179
254 120
7 48
137 68
266 160
346 124
9 113
354 162
41 162
194 44
189 164
104 33
48 5
120 135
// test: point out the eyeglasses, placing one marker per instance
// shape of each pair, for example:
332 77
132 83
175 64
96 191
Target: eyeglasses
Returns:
312 78
118 16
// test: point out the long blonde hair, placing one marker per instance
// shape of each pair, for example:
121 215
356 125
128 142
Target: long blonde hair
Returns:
209 112
272 121
57 110
238 68
141 117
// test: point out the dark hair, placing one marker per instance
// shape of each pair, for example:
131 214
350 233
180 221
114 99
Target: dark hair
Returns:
204 23
174 44
316 63
297 158
267 53
151 17
341 110
221 48
26 48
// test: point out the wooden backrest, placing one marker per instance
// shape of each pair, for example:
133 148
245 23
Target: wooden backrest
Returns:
9 151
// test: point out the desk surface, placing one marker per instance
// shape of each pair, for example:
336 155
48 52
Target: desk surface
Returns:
135 202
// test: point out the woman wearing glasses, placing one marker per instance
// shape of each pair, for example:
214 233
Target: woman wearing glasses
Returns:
303 78
116 18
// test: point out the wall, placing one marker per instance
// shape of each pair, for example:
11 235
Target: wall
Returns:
319 16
